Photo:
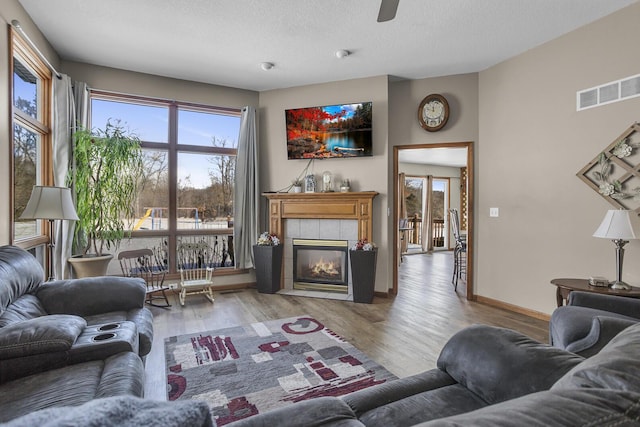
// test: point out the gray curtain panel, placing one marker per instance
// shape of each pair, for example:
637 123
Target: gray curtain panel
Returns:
63 119
247 191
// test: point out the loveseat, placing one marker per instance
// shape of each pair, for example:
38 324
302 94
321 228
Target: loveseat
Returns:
589 321
69 341
488 376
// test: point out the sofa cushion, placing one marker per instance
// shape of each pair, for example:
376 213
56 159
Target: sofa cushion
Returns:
24 308
121 411
558 408
500 364
616 366
20 273
44 334
121 374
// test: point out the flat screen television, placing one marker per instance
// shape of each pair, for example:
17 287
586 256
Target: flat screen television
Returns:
331 131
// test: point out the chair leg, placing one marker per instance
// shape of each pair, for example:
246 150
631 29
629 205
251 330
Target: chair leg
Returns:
182 296
455 267
208 293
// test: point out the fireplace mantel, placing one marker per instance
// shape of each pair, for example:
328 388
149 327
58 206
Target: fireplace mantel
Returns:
350 205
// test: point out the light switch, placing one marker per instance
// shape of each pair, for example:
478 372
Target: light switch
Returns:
494 212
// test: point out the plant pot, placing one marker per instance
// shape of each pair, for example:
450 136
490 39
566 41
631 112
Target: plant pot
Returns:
363 274
90 265
268 264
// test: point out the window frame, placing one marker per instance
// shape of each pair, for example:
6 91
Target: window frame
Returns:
173 148
20 48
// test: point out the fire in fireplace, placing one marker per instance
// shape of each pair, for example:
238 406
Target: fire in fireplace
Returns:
320 265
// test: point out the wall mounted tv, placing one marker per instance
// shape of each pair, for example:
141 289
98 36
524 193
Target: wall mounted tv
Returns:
332 131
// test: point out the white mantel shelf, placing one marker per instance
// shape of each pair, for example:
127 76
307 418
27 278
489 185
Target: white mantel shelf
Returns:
333 205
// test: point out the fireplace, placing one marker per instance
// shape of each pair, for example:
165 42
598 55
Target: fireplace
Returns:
320 265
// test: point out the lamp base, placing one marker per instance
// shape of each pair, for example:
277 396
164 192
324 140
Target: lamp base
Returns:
619 285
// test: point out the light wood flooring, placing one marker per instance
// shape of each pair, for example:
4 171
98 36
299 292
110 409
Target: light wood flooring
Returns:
404 333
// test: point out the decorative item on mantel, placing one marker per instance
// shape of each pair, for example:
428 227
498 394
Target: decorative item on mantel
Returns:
363 256
345 187
296 185
327 182
310 183
267 255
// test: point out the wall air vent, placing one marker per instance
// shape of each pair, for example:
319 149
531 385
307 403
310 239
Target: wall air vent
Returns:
607 93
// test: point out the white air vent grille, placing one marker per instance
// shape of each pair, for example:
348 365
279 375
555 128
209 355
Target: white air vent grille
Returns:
607 93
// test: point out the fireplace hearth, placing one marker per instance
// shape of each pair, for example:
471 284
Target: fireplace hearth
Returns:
320 265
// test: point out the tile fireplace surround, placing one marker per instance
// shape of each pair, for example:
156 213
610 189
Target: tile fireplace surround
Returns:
332 216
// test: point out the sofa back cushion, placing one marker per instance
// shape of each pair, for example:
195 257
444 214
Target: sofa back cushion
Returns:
616 366
20 273
24 308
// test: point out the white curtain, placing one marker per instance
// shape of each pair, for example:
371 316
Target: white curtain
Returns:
63 119
246 191
427 226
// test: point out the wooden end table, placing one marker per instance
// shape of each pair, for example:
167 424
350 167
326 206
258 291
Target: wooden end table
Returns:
565 286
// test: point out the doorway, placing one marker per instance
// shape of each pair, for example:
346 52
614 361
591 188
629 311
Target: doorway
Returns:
440 176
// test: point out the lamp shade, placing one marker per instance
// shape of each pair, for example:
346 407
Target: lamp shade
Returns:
619 224
50 203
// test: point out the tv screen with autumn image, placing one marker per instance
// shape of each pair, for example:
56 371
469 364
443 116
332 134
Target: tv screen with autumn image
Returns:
332 131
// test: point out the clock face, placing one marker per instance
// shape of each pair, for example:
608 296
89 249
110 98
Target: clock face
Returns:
433 112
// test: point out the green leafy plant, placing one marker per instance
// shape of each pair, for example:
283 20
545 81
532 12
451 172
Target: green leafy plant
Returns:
107 168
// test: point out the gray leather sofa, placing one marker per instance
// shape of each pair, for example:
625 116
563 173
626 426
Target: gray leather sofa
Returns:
70 341
590 320
489 376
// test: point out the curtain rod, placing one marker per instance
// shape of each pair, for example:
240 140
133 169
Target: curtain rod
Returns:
17 26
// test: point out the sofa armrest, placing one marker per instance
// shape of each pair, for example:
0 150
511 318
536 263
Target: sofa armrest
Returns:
318 412
500 364
615 304
94 295
45 334
603 329
365 400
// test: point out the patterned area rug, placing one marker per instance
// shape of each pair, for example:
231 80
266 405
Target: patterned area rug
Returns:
246 370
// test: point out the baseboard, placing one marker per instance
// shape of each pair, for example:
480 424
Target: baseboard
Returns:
511 307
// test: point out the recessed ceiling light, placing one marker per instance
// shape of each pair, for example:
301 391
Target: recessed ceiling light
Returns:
267 66
342 53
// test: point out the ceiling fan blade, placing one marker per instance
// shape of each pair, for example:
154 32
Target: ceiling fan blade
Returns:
388 9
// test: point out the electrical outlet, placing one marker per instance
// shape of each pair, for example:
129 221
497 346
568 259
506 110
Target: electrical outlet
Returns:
494 212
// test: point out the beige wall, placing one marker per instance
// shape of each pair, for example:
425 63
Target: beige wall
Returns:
132 83
365 174
532 144
10 10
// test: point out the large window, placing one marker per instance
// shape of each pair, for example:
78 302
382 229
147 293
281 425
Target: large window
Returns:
31 144
186 193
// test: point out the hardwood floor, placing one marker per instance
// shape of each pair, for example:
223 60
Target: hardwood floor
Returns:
404 333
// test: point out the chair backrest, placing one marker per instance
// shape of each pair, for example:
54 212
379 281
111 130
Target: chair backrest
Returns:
195 261
455 223
404 223
142 263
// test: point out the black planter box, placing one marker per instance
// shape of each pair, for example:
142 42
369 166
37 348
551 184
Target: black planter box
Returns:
363 274
268 260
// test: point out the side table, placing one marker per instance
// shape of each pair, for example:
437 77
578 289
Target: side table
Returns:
565 286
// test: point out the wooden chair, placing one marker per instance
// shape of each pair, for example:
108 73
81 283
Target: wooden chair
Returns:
142 263
196 273
460 250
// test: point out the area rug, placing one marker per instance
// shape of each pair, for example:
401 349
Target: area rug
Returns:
246 370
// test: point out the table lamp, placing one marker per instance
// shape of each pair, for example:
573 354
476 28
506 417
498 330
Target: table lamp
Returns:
619 226
50 203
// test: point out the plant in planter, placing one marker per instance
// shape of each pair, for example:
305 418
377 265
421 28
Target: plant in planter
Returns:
363 256
107 168
267 255
296 185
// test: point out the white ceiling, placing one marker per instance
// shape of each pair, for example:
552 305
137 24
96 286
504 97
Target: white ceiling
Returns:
223 42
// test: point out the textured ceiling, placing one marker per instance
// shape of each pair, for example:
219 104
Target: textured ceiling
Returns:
224 41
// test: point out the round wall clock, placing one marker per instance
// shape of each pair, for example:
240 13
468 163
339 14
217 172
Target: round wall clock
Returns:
433 112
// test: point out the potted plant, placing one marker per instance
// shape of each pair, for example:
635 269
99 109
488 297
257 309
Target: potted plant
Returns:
296 185
107 167
363 256
267 255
